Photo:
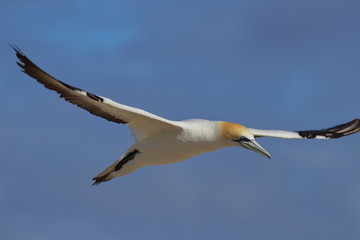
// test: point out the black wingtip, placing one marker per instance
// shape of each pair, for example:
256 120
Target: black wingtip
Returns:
17 50
334 132
20 64
20 55
355 126
13 46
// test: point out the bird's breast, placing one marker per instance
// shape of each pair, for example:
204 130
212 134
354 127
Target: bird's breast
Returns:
169 147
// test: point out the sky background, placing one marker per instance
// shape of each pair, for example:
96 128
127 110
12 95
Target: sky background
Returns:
280 64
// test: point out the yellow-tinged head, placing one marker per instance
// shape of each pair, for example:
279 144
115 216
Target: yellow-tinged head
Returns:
233 131
242 135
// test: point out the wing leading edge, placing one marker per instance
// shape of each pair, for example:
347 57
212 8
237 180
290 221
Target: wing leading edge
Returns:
142 123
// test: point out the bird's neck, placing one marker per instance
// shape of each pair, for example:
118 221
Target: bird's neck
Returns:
204 134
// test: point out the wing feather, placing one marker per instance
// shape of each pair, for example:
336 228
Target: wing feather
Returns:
142 123
333 132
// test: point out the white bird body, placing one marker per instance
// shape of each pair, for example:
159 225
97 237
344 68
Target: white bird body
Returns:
195 137
160 141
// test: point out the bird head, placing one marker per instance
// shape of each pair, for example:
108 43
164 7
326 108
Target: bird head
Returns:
243 137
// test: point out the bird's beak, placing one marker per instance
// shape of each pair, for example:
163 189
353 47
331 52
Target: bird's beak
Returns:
254 146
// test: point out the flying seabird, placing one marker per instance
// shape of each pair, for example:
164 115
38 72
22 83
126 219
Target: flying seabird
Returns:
162 141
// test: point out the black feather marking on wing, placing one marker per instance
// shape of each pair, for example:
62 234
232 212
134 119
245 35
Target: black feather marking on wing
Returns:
71 87
130 156
334 132
39 75
93 96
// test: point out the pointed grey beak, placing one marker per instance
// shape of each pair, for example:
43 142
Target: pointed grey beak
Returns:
254 146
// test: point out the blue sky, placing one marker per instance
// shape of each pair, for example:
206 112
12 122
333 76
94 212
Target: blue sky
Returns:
291 65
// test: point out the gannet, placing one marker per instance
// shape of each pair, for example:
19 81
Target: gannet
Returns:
161 141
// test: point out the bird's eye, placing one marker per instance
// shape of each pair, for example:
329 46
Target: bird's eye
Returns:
243 139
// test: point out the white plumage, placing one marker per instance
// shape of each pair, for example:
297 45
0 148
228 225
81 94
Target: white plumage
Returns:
161 141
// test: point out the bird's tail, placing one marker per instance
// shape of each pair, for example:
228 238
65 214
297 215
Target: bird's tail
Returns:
104 175
124 165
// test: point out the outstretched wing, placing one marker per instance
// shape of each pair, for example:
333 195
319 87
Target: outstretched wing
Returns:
141 122
333 132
